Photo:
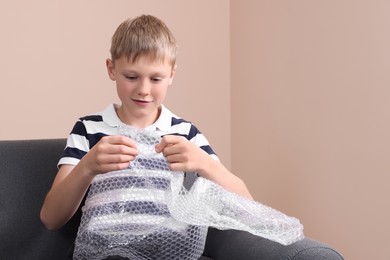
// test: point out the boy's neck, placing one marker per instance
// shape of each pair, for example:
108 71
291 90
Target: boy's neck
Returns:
134 121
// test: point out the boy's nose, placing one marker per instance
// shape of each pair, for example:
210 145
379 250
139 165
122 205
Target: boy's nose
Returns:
144 88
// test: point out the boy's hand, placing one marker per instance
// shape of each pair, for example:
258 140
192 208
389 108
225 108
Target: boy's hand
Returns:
111 153
183 155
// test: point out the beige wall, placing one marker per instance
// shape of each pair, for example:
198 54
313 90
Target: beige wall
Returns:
53 64
310 115
308 95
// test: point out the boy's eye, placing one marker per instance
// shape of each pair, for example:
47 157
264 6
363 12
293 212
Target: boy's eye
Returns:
131 77
156 79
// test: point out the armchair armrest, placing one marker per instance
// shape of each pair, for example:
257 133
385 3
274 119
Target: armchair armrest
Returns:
238 245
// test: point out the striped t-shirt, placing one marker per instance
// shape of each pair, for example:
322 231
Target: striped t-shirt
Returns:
90 129
126 212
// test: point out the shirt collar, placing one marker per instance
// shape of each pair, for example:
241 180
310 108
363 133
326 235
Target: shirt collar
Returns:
163 122
110 116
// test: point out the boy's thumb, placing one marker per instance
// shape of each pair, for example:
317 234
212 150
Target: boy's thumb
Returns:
158 148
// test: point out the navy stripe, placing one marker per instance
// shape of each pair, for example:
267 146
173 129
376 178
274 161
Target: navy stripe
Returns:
149 164
177 121
135 207
94 118
207 149
73 152
94 138
79 129
193 132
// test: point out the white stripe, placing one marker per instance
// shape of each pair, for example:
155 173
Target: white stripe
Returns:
200 140
102 222
126 195
78 141
68 160
94 127
214 157
154 222
182 128
129 172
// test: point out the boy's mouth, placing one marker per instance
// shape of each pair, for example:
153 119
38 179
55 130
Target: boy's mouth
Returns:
141 102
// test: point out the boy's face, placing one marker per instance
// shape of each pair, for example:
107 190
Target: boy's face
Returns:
141 87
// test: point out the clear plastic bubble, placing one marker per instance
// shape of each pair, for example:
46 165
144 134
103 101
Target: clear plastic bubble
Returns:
145 212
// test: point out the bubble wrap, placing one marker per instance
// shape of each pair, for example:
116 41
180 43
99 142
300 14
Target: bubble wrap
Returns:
145 212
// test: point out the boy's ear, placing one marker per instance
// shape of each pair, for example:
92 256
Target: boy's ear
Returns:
172 75
110 69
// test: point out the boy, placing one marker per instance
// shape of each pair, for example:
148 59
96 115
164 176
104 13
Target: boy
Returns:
143 56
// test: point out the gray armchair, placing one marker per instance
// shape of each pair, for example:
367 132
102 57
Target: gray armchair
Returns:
27 170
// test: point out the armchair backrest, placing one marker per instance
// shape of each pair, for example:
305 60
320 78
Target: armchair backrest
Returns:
27 170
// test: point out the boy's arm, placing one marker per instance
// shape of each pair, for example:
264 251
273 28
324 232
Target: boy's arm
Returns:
183 155
219 174
65 196
71 183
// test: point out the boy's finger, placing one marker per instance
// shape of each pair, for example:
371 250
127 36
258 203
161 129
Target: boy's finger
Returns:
123 140
160 146
166 140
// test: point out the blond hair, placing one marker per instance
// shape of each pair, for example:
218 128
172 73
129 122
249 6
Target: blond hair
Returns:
144 35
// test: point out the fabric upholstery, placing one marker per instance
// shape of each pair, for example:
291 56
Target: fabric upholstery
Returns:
27 170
